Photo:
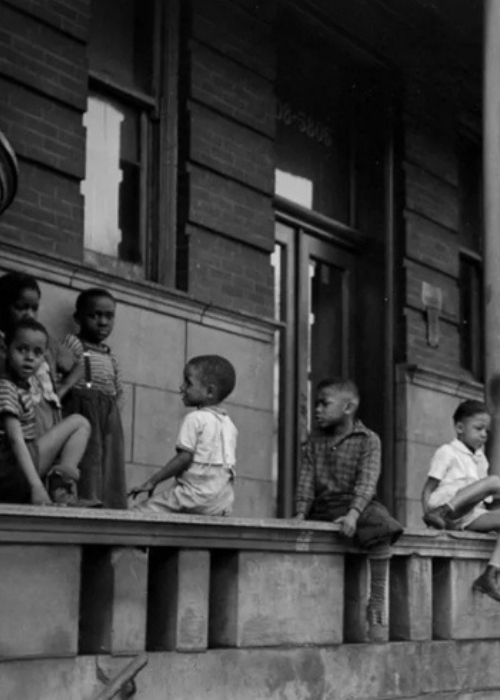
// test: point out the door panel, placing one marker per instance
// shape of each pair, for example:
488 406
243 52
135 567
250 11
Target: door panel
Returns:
315 303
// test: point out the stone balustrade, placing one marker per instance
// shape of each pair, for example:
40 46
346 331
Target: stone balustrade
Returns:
81 589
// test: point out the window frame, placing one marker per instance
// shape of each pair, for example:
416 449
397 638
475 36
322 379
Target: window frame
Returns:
158 154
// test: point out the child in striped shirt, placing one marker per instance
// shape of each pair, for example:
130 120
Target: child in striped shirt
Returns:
25 457
98 395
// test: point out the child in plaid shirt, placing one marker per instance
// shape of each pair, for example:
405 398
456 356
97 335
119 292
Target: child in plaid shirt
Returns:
338 479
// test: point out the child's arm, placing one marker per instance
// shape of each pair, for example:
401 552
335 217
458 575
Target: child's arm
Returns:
430 486
176 466
120 394
367 474
69 381
39 495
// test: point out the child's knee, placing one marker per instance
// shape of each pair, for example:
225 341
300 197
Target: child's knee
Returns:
494 482
79 422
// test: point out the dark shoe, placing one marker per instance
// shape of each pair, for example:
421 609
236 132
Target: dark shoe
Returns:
377 625
487 583
440 518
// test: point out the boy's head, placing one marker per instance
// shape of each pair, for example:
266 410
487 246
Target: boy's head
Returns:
26 346
208 380
337 400
472 423
95 314
19 298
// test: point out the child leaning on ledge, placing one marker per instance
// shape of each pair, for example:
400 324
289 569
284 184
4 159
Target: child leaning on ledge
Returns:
458 486
337 482
206 446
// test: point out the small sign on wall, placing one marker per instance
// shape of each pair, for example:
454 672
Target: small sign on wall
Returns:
432 299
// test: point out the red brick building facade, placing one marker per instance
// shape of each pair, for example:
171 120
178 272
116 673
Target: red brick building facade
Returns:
296 185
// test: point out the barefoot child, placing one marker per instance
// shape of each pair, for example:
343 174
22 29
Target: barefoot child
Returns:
24 459
206 446
458 486
337 482
98 395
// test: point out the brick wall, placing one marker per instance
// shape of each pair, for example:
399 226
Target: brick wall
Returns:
43 85
431 226
229 162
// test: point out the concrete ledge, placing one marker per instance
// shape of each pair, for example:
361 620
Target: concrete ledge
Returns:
34 524
421 671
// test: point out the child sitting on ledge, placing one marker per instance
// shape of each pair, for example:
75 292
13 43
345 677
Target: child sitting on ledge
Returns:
338 478
206 446
458 486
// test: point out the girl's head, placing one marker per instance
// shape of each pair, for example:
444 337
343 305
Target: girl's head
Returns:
208 380
472 424
26 345
95 314
19 299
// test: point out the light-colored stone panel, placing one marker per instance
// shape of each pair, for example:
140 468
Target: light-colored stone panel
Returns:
410 480
149 346
458 611
409 512
254 498
452 666
266 599
39 599
178 597
255 441
347 672
114 600
411 598
157 419
57 307
429 416
253 362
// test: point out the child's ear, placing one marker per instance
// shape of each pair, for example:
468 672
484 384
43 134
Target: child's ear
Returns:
351 407
212 390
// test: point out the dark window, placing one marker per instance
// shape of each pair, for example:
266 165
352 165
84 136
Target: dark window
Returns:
471 260
124 122
471 315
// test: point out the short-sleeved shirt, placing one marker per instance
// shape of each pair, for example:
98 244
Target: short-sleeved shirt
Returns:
455 467
344 470
210 435
16 400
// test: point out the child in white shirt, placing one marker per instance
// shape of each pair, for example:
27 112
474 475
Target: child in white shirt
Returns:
458 487
206 446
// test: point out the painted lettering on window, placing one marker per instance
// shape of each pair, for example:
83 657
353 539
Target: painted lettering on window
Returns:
311 127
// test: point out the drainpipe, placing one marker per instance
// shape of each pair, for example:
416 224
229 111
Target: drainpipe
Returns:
491 164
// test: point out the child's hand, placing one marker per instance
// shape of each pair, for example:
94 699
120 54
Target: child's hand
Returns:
348 523
299 516
137 490
39 496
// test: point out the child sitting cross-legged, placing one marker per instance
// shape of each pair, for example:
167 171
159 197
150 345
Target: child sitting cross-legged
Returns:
340 468
458 487
206 446
25 457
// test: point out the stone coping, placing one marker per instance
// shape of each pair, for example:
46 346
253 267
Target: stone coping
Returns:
46 525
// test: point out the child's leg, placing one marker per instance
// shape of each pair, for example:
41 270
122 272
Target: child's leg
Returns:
464 500
488 581
473 494
69 439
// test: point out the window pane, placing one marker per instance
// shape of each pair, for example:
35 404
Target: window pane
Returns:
112 185
121 42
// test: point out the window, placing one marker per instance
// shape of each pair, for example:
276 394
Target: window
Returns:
471 260
471 315
124 131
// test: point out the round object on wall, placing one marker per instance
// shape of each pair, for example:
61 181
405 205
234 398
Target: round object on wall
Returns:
9 173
